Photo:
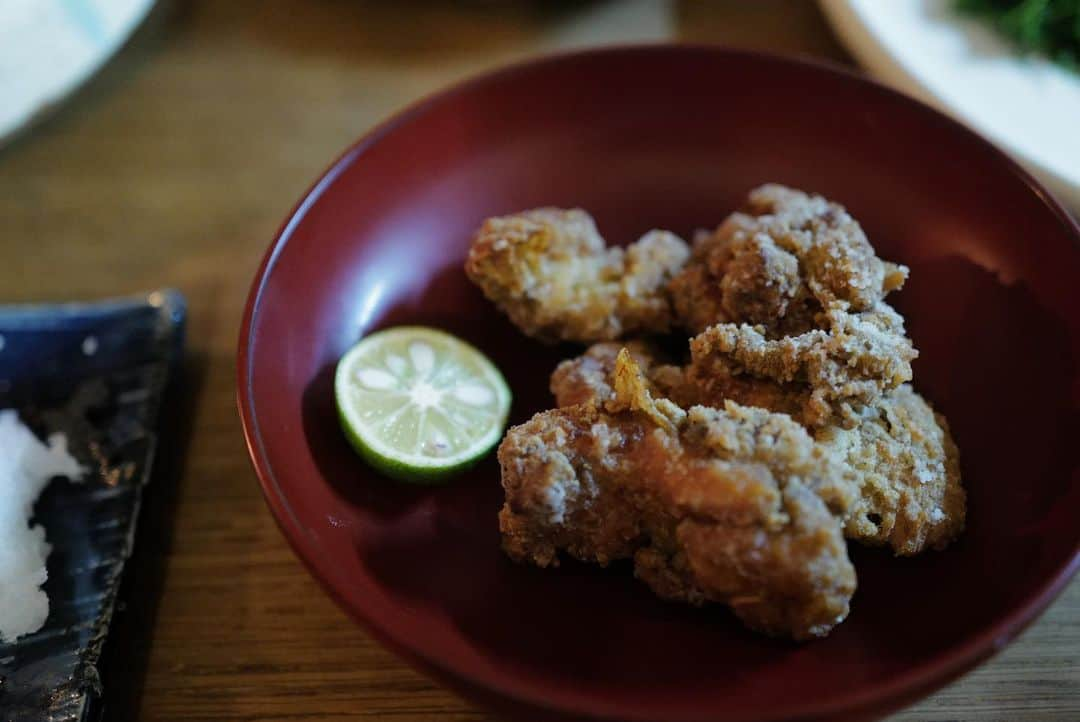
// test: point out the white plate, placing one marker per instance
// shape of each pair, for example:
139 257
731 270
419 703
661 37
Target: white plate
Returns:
1027 105
48 48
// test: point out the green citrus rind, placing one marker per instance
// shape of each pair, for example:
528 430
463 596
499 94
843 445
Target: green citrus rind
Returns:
401 465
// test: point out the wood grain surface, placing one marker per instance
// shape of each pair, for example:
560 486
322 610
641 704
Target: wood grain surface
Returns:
175 167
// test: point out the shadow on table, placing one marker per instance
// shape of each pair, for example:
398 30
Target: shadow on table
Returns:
125 658
410 32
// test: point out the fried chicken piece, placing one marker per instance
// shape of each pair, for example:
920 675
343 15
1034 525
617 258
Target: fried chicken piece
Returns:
781 260
552 274
587 378
733 505
824 376
900 457
907 469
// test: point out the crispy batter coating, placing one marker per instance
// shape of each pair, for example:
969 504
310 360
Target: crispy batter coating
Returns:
907 469
778 263
825 376
587 378
900 457
552 274
731 477
733 505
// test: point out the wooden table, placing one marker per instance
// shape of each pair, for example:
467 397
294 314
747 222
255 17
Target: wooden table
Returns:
174 167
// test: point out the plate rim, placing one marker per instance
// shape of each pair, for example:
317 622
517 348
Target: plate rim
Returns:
915 683
862 41
47 105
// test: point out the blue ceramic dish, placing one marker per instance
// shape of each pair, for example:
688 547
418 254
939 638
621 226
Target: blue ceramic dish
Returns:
96 372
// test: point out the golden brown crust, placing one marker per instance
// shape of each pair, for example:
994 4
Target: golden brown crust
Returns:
733 505
907 469
550 271
587 378
780 261
825 376
900 457
735 477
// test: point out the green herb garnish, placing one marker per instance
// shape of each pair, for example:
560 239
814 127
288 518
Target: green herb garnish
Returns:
1051 27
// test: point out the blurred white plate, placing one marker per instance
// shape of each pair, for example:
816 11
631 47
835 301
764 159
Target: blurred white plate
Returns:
1027 105
48 48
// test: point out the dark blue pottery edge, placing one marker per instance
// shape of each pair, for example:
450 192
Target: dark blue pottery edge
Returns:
166 312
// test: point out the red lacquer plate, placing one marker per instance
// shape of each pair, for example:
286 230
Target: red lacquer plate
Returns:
669 137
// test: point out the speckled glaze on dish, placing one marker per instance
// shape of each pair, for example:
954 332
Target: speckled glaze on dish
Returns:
669 137
97 373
